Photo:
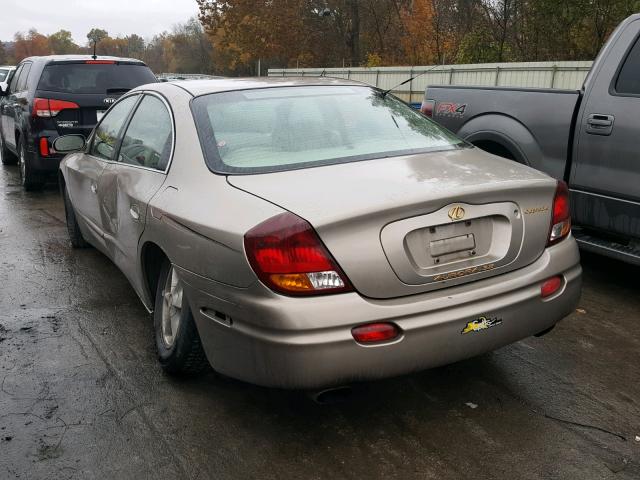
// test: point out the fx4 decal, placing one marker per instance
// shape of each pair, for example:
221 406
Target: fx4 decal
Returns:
449 109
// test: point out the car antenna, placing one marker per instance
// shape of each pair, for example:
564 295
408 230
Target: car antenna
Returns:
324 70
94 56
385 92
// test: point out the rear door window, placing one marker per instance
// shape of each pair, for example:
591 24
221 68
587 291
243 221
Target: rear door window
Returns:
94 78
14 80
629 78
24 76
105 137
149 136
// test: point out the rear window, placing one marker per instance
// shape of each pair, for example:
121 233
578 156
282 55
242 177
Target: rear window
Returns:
94 78
284 128
4 73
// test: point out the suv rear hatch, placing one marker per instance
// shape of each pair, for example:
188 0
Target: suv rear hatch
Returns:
412 224
78 92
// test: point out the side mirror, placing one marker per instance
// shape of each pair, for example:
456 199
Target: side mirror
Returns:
3 91
69 143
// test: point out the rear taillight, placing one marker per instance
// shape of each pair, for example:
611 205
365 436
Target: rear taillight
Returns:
46 107
427 107
375 332
289 257
561 215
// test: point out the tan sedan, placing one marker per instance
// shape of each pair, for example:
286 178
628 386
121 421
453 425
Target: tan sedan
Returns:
303 233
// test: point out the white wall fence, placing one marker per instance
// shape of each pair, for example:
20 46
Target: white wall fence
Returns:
562 75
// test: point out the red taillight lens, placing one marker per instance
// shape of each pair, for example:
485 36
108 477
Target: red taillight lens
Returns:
44 146
427 108
45 107
551 286
288 256
375 332
561 216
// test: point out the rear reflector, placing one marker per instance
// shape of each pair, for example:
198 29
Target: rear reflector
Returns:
48 107
44 146
289 257
375 332
427 108
551 286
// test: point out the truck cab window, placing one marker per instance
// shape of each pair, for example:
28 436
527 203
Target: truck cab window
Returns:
629 78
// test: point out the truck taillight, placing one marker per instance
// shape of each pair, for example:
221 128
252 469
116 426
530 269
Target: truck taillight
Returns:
427 108
561 215
48 107
289 257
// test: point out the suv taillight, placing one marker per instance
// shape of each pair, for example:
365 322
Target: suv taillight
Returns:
289 257
561 215
47 107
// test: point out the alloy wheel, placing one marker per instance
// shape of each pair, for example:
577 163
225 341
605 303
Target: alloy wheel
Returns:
171 307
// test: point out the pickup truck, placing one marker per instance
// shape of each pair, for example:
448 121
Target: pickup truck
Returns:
589 137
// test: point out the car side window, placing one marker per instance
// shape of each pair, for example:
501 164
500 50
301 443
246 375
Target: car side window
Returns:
629 78
14 79
105 137
148 139
24 75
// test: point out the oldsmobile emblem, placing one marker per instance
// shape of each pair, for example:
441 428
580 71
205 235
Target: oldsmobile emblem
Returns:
456 213
481 323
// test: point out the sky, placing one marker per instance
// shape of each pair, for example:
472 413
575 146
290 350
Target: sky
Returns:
118 17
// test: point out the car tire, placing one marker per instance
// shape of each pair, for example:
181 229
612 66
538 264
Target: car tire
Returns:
31 181
178 343
6 157
75 235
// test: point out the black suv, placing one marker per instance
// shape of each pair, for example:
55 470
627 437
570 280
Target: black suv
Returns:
58 95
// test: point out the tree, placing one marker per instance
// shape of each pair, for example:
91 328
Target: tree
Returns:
61 43
33 43
4 58
95 36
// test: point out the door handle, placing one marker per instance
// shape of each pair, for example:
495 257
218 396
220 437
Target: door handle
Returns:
94 188
134 212
600 124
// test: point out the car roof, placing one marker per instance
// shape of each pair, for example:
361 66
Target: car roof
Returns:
10 67
72 58
202 87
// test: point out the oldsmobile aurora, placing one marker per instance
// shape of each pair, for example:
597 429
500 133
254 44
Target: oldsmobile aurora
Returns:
303 233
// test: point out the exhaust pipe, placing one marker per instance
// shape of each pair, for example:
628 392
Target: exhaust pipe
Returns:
331 396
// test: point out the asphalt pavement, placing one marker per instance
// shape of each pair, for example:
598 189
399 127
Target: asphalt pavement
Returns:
82 396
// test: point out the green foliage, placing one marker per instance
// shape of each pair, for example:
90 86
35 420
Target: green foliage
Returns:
96 35
61 43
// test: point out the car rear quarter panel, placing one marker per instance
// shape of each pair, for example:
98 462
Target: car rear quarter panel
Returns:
197 218
534 125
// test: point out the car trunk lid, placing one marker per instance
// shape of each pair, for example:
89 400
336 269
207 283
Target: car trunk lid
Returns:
411 224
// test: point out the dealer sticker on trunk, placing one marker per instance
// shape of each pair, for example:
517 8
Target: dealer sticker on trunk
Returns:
481 323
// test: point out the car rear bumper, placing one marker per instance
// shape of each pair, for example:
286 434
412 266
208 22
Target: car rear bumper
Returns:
279 341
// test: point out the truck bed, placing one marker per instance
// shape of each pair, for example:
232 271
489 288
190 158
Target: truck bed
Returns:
534 125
